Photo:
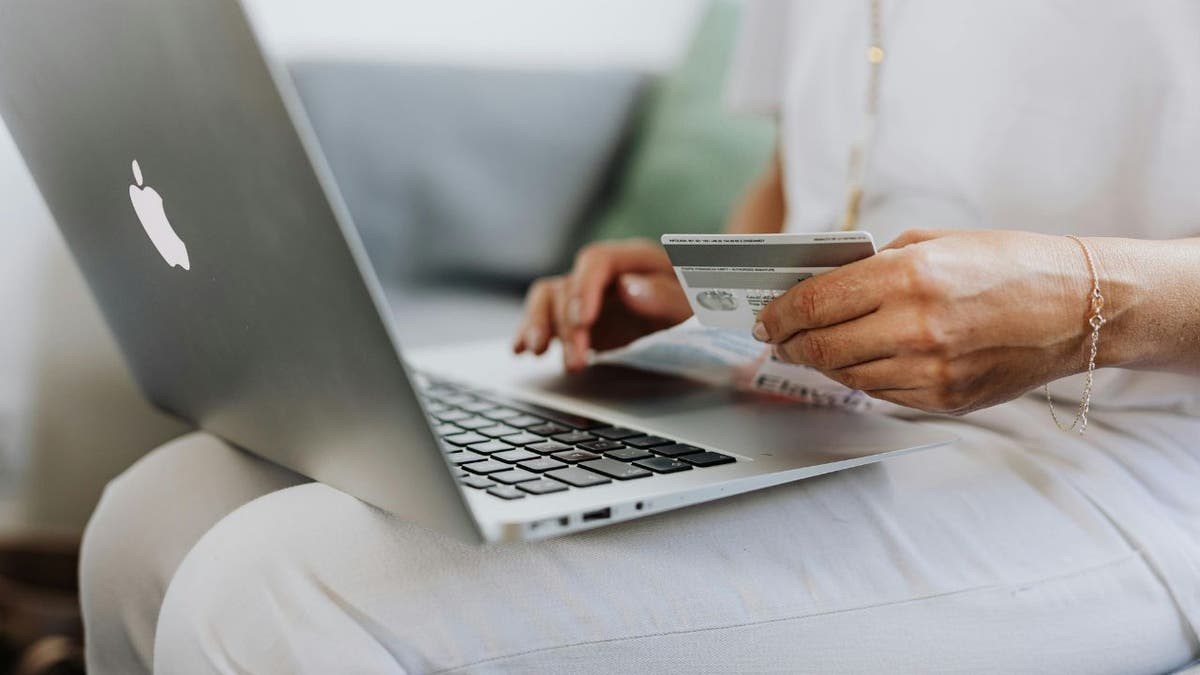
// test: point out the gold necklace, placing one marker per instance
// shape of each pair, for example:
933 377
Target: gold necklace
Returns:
858 151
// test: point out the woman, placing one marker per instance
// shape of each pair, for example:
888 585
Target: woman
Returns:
1020 548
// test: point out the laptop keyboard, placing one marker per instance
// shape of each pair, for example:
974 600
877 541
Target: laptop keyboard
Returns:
515 450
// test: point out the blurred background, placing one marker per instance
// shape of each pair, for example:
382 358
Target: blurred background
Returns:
477 144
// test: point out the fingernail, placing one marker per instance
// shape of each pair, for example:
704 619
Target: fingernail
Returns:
533 338
574 311
760 332
636 288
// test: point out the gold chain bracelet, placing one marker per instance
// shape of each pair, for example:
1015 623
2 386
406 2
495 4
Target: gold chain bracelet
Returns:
1096 321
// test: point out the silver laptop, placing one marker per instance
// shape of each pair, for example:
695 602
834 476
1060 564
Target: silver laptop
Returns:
188 186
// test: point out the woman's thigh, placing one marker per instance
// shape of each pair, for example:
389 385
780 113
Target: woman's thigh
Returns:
973 557
147 520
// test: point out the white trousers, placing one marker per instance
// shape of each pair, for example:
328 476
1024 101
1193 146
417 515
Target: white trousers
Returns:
1019 549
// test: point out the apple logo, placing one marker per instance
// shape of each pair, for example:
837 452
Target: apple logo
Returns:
149 207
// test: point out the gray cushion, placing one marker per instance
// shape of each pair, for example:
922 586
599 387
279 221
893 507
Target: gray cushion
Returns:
451 172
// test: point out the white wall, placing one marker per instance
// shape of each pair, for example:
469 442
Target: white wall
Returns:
25 234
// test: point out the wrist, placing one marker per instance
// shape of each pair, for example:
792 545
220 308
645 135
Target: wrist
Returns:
1122 280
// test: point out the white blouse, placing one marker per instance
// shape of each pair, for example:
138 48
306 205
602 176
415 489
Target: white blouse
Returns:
1074 116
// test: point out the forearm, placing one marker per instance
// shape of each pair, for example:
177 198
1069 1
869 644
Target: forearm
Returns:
1152 303
763 207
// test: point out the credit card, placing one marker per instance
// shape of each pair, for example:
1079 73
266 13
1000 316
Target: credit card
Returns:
729 278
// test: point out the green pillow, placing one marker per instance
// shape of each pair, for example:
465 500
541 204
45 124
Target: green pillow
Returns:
692 157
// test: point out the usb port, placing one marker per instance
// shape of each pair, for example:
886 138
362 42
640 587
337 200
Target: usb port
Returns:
601 514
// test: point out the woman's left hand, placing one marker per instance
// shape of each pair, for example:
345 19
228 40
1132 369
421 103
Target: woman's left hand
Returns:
942 321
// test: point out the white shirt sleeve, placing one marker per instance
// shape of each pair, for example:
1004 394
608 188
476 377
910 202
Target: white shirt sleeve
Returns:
758 69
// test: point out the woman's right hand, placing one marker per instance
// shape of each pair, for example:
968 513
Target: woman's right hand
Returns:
616 292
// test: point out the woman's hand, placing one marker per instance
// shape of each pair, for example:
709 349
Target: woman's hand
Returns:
942 321
616 293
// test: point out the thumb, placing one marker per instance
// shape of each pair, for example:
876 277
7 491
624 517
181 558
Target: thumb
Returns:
654 296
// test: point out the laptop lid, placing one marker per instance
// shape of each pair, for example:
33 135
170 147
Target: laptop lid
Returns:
190 191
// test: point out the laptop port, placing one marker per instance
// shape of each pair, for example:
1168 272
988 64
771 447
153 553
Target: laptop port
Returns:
600 514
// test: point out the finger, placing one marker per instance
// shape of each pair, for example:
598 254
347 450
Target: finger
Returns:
596 268
520 341
867 338
581 344
926 400
522 333
903 397
824 300
535 332
897 374
561 328
654 296
914 236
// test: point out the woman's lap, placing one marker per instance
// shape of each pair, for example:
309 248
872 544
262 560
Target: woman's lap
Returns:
980 556
146 522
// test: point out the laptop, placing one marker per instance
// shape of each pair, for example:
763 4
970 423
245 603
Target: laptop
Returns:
189 188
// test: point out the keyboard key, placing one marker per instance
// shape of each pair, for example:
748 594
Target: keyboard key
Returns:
446 430
434 408
524 421
477 482
523 438
546 428
548 447
663 465
455 399
513 476
468 438
578 477
542 465
647 441
543 486
514 456
628 454
704 459
613 469
464 457
676 450
601 445
486 467
615 433
489 447
574 456
451 415
501 414
475 422
497 430
506 492
573 437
